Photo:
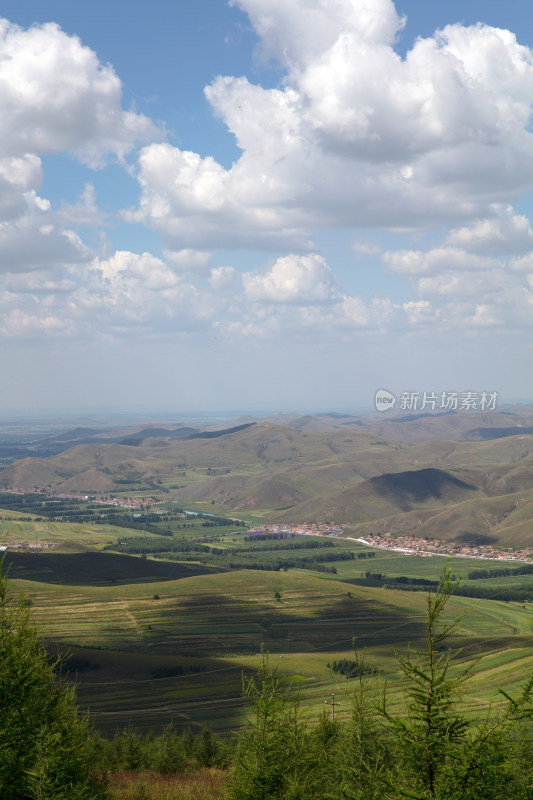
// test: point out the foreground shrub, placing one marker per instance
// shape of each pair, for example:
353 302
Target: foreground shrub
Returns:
44 744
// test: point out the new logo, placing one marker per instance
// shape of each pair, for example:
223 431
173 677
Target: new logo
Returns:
384 400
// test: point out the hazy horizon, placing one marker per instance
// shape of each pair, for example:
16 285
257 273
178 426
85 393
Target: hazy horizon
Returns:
206 417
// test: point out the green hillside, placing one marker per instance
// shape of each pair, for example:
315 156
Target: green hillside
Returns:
270 472
95 568
176 649
506 519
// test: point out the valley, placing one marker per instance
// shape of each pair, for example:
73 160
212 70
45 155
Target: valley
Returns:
165 565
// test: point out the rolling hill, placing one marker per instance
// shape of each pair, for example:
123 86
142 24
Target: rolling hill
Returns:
288 474
96 568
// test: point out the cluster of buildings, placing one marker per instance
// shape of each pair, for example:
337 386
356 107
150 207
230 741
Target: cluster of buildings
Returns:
411 545
122 502
25 546
433 547
302 529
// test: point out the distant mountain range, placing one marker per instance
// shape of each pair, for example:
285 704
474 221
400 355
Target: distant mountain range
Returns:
449 476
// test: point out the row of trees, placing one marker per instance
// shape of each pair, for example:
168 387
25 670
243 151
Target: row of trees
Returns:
349 667
130 750
500 572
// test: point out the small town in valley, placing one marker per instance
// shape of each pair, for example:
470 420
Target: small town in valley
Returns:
411 545
408 545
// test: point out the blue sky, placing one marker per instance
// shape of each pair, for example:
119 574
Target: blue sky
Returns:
267 204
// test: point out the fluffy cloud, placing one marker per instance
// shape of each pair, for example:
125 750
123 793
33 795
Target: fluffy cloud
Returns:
471 288
467 287
195 261
297 296
141 294
420 311
223 279
417 262
22 324
298 32
509 234
124 270
39 282
456 284
35 241
302 280
356 137
123 294
19 177
55 95
194 201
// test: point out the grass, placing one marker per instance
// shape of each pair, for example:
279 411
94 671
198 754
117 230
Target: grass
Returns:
97 568
59 534
395 564
7 514
272 471
212 628
127 619
206 784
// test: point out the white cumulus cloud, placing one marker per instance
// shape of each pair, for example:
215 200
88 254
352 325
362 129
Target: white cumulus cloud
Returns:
55 95
301 280
507 234
356 136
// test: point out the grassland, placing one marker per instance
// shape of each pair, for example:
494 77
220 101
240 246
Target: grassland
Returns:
206 784
162 628
51 525
19 527
168 638
176 649
99 569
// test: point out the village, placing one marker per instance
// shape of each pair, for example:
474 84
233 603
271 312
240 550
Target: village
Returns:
411 545
303 529
111 500
408 545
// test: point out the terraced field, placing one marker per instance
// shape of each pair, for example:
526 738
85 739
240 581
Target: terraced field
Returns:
176 649
163 627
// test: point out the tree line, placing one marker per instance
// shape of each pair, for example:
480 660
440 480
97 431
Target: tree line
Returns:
500 572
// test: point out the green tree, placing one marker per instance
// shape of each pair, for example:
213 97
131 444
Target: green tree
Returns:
169 753
187 741
44 744
270 757
431 752
432 729
130 751
364 747
207 749
441 756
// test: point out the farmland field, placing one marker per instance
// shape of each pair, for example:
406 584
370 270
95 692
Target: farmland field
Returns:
161 611
147 653
21 527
